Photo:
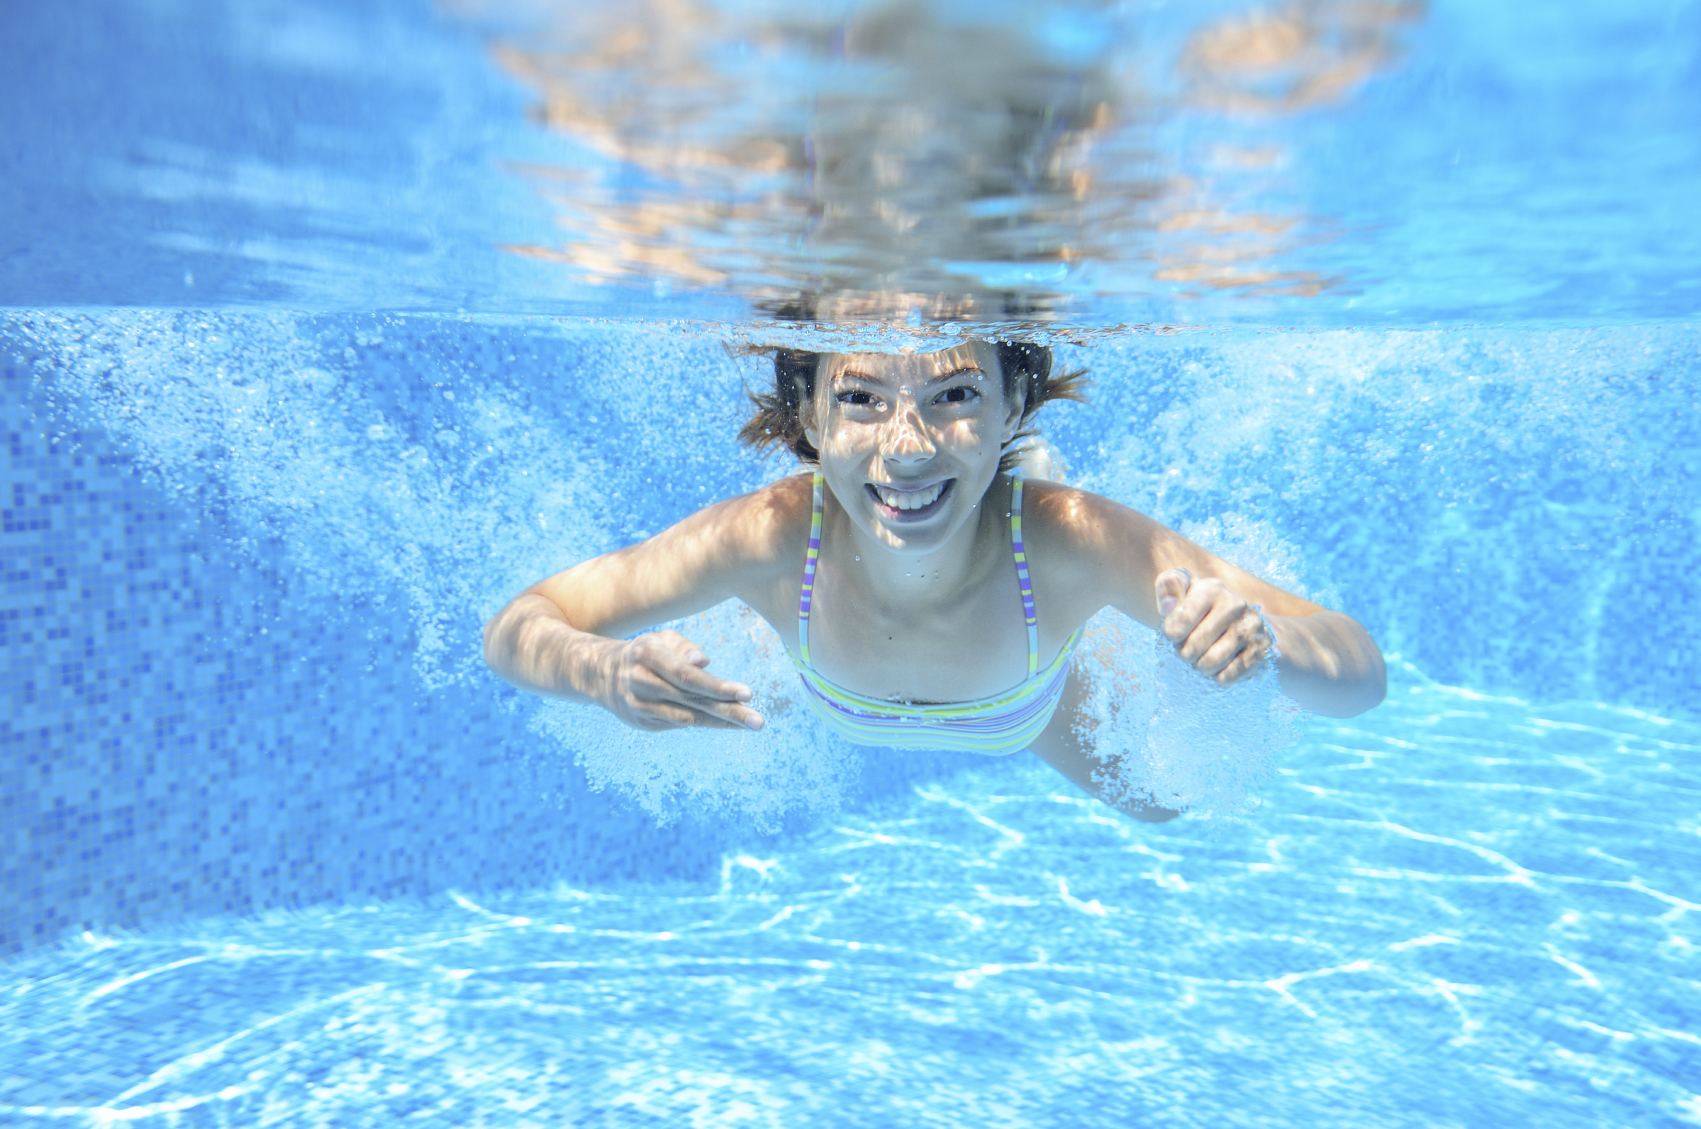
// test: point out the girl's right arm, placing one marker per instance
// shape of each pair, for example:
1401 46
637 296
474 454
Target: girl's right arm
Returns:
655 681
562 637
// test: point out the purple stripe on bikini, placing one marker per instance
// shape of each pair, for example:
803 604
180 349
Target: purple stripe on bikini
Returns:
1033 705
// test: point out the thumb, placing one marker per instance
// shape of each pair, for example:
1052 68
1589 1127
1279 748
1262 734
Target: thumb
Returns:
1172 585
686 649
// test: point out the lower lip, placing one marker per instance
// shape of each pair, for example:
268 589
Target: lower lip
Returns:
900 517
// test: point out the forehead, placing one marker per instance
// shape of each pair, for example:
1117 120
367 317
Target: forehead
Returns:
916 366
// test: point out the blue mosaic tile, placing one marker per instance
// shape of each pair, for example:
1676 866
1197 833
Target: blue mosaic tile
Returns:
180 737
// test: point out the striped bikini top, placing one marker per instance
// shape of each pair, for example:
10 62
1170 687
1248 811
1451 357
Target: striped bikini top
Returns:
1004 723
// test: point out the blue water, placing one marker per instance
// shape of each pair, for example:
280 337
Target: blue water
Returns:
1458 910
327 328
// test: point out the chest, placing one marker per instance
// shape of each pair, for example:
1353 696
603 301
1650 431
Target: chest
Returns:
950 646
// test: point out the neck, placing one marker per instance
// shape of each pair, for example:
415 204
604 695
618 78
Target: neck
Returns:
913 579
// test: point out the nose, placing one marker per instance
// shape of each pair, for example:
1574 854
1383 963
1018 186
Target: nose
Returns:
905 441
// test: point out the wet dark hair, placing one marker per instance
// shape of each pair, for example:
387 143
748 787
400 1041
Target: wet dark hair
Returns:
779 419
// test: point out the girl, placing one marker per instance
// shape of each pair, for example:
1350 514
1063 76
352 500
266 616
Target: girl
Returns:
929 597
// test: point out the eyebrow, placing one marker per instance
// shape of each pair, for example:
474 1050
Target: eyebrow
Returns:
960 370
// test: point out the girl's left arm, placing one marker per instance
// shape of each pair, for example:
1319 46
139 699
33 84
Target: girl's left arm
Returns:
1220 618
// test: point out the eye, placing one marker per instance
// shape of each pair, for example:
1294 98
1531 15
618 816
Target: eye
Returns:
962 394
856 397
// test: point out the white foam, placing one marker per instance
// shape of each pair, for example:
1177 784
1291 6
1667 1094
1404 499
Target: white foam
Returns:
266 418
257 416
790 765
1165 733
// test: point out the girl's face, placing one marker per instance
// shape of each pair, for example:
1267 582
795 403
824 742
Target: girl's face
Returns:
909 444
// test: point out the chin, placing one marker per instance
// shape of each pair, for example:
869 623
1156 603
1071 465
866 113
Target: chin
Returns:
916 538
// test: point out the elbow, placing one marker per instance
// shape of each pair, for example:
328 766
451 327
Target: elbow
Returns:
1368 690
489 647
1379 680
1355 682
1344 705
497 639
1374 682
1369 694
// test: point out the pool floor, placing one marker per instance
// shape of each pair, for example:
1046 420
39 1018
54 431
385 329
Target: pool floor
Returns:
1457 910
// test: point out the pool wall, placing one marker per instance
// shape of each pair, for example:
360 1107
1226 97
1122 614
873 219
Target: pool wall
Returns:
182 735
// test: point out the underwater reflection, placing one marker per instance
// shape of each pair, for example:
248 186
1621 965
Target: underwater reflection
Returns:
1295 58
906 161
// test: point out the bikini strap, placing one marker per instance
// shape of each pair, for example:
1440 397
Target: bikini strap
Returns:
809 562
1022 574
813 557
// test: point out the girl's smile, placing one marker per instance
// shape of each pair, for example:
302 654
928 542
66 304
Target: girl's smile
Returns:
905 503
909 444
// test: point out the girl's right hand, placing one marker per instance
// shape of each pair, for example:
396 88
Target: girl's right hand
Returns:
657 681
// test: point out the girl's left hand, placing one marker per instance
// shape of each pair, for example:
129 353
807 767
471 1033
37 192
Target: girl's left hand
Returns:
1212 628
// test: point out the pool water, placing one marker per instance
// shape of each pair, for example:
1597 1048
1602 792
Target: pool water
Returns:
327 328
1456 910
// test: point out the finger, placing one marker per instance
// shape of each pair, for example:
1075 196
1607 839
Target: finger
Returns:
685 649
654 688
656 717
1235 640
700 714
1256 647
1172 585
729 715
1244 663
670 671
704 721
680 662
729 710
691 679
1214 613
666 714
1187 613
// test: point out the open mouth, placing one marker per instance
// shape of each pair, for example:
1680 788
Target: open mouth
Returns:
909 505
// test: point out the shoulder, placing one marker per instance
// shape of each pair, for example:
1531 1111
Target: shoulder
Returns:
1075 519
761 538
779 506
1088 550
767 524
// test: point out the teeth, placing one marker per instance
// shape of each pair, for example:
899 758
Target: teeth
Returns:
910 499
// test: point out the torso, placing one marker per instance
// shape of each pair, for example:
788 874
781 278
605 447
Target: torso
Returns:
934 650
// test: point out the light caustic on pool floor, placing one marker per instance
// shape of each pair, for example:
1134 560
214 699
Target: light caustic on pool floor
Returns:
1454 909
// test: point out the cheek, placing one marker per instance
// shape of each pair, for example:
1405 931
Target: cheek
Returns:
973 432
848 439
